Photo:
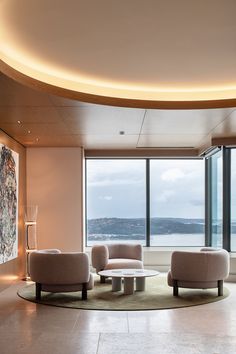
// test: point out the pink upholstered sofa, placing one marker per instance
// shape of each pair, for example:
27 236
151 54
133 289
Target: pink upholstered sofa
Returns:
117 256
54 271
205 269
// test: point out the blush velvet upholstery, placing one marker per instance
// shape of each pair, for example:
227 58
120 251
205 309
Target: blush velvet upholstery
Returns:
54 271
205 269
117 256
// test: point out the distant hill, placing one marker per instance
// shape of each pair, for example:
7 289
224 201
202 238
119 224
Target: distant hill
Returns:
116 228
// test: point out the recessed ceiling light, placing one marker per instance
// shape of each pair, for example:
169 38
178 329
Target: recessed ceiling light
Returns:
29 131
37 139
122 132
19 122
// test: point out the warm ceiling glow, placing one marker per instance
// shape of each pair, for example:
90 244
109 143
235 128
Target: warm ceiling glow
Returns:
62 79
25 45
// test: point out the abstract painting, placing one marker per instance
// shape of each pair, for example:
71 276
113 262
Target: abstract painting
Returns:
9 171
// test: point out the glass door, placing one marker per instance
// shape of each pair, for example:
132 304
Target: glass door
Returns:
217 196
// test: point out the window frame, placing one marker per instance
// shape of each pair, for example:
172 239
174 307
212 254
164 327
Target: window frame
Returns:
147 195
226 197
86 191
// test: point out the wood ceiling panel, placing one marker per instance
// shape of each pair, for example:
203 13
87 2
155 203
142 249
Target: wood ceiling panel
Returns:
170 140
35 129
59 101
55 121
27 114
49 141
14 94
95 119
183 121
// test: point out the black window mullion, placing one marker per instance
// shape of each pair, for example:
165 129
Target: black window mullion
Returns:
226 198
208 202
148 222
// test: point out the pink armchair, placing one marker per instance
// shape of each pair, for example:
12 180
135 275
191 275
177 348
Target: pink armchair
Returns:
205 269
54 271
116 256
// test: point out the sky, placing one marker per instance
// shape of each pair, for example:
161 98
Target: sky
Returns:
116 188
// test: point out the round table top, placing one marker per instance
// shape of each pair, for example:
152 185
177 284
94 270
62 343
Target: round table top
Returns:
128 273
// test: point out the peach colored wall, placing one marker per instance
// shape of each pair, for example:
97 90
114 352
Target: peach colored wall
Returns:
55 184
15 268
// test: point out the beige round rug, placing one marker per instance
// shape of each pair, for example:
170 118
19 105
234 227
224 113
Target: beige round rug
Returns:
158 295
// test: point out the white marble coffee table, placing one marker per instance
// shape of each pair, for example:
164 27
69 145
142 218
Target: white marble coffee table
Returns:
128 275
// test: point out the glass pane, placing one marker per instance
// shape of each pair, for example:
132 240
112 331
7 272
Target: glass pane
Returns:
116 201
217 200
233 200
177 202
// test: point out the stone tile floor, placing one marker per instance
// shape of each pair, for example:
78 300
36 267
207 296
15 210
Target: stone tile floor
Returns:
29 328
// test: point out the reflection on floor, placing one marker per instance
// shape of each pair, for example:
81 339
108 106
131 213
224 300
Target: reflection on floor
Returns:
30 329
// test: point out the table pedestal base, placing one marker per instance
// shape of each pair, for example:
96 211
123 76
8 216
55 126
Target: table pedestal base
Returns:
133 279
116 284
140 284
128 286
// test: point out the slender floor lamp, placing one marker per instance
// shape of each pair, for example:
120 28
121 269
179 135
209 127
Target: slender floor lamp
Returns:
30 217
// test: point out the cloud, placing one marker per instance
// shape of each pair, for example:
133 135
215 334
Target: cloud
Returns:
115 172
115 182
197 202
172 175
165 196
105 197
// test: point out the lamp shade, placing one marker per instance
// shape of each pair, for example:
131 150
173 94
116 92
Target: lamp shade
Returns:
30 214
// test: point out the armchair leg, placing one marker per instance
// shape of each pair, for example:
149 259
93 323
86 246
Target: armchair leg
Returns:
84 291
220 287
175 288
38 288
102 279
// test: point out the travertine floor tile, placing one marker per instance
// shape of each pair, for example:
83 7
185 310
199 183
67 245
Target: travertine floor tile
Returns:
81 343
102 321
28 328
163 343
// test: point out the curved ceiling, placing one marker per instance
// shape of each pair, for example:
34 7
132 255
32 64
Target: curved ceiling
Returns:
148 51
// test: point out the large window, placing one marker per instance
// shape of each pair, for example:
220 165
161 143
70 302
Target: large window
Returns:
119 207
116 201
177 202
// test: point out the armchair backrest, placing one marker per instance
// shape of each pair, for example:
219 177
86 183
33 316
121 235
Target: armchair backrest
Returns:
101 254
200 266
59 268
130 251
